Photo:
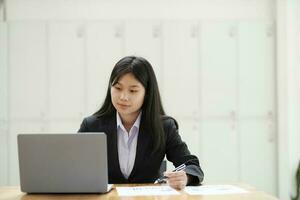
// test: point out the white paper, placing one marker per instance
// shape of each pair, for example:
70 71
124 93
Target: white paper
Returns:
146 191
109 187
214 190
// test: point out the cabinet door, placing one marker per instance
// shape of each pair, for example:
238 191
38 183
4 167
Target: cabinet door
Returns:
63 126
256 69
257 105
190 134
218 68
27 70
143 38
258 154
219 151
3 105
3 73
104 48
181 68
3 156
66 70
16 128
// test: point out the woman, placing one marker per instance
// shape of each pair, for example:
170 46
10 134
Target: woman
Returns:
139 134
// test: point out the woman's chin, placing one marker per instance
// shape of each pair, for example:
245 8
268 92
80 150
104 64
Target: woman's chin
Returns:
124 112
127 112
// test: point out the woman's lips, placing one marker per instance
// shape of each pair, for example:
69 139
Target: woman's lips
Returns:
123 105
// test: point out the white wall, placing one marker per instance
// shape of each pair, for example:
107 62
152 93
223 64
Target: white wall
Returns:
141 9
293 66
264 10
1 11
288 48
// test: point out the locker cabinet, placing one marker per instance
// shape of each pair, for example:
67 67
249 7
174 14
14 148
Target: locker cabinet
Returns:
143 38
256 94
104 47
27 70
218 80
3 157
3 105
63 126
218 69
256 68
67 76
15 128
3 73
181 68
219 151
258 154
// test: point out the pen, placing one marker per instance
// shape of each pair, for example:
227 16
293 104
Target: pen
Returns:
163 178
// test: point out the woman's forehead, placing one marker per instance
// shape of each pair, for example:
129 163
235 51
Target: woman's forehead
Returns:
129 80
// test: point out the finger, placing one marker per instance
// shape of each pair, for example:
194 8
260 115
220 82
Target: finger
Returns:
181 182
179 177
180 186
177 180
177 185
166 173
174 174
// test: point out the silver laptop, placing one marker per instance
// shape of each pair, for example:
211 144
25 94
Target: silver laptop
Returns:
63 163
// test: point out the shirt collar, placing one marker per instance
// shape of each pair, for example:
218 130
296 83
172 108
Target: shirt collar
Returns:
136 123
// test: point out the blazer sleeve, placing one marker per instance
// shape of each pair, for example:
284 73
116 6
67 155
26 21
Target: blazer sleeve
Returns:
177 152
83 126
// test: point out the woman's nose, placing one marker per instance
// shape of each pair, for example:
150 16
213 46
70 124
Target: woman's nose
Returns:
124 96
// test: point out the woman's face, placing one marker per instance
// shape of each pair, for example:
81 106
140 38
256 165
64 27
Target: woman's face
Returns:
127 95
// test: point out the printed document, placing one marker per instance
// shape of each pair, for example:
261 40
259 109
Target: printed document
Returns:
214 190
146 191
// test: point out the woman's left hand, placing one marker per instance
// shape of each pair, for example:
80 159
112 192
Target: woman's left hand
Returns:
177 180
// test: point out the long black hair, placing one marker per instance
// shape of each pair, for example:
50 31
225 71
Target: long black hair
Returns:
152 109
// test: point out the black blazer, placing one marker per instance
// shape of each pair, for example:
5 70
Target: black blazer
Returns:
146 165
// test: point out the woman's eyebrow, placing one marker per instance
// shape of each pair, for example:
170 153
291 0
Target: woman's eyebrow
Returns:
118 83
131 86
134 86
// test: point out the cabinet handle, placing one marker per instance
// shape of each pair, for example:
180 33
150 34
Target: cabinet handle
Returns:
270 124
80 31
156 31
232 31
118 32
194 31
233 115
233 119
42 114
270 31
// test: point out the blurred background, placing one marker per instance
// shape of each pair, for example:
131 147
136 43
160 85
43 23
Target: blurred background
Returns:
228 71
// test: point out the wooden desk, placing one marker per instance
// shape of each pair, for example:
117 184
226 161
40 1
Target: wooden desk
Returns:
14 193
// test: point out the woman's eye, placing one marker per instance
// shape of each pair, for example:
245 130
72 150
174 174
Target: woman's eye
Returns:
133 91
117 88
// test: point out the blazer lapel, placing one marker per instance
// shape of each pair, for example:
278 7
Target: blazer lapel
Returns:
112 143
141 149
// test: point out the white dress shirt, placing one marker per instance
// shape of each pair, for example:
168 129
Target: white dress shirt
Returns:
127 143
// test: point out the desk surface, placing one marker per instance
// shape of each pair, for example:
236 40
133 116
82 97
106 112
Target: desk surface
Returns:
14 193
